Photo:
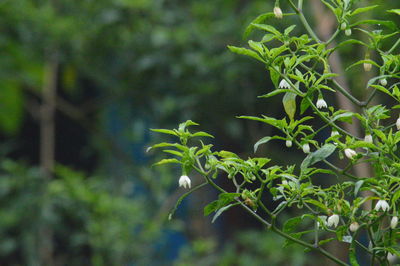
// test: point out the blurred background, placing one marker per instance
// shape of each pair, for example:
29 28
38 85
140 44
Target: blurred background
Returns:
81 84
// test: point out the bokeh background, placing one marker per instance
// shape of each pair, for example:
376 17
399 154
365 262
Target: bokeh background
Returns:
81 83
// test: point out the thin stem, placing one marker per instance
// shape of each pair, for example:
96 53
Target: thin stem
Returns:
393 47
347 94
299 11
333 36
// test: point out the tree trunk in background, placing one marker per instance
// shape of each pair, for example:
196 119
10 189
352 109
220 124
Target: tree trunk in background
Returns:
47 133
325 25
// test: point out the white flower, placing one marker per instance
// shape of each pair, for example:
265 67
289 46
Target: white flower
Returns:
398 123
354 226
333 220
321 103
367 66
350 153
368 138
306 148
284 84
184 181
383 82
278 12
382 204
334 133
343 26
394 222
289 143
348 32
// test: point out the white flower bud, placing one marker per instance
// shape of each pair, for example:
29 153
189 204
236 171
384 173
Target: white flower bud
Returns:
354 226
394 222
383 82
334 133
350 153
348 32
321 103
284 84
289 143
368 138
382 204
398 123
278 12
333 220
184 181
306 148
367 67
343 26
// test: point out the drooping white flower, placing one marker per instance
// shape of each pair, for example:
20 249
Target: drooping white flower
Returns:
394 222
383 82
368 138
184 181
333 220
334 133
398 123
278 12
350 153
306 148
367 66
354 226
289 143
382 204
348 32
284 84
321 103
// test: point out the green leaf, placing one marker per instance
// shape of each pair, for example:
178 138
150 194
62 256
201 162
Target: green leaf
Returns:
362 9
291 224
11 107
274 92
223 200
274 74
389 24
357 187
220 211
289 29
261 18
394 11
304 105
362 62
166 161
268 28
202 134
289 104
319 155
265 140
244 51
165 131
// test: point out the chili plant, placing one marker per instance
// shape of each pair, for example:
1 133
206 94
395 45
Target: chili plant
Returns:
300 69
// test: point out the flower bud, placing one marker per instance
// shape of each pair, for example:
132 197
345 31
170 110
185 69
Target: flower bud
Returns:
333 220
343 26
368 138
394 222
289 143
184 181
348 32
306 148
398 123
350 153
354 226
334 133
367 67
383 82
278 12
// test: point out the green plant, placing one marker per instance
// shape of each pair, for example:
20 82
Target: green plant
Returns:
300 68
